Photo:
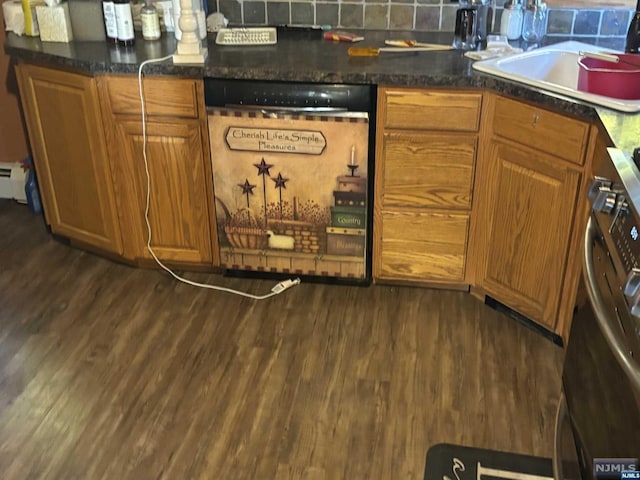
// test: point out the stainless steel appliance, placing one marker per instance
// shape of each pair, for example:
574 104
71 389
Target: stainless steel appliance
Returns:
292 174
598 424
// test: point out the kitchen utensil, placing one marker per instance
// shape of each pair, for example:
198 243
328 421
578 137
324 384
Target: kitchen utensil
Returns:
464 35
614 58
414 43
606 77
374 51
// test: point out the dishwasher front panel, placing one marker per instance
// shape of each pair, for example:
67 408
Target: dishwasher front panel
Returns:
291 193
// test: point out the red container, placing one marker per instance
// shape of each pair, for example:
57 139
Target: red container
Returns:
616 80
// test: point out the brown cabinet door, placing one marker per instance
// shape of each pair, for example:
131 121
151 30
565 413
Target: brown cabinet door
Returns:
433 170
178 211
65 128
525 222
423 246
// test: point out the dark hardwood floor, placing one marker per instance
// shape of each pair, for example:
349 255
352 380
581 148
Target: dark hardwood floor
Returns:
112 372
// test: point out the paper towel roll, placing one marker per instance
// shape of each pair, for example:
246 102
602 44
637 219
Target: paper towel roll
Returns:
13 16
54 23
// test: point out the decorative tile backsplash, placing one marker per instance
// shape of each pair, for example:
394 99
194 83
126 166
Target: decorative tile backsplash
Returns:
421 15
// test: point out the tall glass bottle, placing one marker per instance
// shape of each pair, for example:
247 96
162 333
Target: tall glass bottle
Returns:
632 44
124 22
484 21
534 25
110 26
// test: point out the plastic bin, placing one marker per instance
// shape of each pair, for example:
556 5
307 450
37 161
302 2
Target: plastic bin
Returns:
615 80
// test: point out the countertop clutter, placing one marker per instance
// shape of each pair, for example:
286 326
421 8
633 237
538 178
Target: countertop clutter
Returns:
298 56
303 56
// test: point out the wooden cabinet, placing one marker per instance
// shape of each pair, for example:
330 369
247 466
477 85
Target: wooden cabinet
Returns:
426 149
62 112
530 182
179 183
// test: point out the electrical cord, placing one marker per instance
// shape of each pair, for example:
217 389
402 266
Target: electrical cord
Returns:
277 289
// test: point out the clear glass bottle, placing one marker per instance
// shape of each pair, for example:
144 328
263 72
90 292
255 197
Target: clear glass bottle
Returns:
511 22
110 26
484 21
534 25
150 21
124 22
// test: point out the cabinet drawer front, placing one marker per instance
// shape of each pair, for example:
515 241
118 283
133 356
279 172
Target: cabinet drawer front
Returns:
432 110
541 129
431 170
162 96
424 246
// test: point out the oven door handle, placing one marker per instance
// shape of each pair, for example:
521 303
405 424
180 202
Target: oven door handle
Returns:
602 314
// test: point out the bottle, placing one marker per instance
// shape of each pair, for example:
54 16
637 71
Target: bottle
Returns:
511 22
176 19
150 21
110 26
31 187
534 25
632 44
124 22
484 21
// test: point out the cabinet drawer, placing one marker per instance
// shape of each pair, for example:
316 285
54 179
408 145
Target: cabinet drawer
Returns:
549 132
432 110
428 170
424 246
162 96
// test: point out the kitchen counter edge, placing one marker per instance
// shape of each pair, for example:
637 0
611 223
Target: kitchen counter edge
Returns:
300 59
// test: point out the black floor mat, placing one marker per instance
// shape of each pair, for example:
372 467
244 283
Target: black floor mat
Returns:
455 462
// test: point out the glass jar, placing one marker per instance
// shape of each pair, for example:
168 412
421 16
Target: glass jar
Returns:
534 25
511 22
150 21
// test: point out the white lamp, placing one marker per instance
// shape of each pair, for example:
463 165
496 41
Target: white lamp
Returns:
189 48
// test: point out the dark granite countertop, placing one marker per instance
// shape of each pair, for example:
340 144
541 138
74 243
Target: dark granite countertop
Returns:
306 57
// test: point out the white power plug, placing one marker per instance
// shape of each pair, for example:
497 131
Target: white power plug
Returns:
282 286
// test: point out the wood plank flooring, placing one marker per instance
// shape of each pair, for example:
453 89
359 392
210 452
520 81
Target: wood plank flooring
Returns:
112 372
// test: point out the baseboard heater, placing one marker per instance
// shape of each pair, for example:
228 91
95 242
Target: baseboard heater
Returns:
12 182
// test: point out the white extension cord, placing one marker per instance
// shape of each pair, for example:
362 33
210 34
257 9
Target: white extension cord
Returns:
278 288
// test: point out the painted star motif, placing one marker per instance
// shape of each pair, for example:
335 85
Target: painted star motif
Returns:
246 187
280 181
263 167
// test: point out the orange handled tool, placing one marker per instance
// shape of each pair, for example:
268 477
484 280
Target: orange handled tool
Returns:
374 52
414 43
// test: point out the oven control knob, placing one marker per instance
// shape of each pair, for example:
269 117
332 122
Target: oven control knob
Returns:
604 200
632 284
597 184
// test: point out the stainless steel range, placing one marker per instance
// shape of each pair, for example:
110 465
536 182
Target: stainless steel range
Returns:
598 425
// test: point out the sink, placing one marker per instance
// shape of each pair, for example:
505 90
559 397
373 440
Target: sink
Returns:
553 68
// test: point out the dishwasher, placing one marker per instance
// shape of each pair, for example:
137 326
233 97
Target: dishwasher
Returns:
293 178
